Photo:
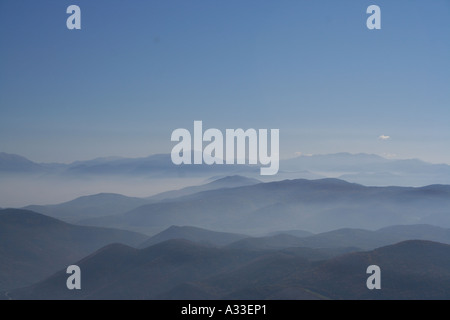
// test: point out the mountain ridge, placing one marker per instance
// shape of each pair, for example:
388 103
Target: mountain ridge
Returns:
33 246
272 206
180 269
367 169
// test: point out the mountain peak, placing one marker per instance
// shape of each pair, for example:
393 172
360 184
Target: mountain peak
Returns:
15 163
235 179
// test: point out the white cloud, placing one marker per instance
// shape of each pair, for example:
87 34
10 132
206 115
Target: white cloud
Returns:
384 137
390 155
298 154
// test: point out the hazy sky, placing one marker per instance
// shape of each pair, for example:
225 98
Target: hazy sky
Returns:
137 70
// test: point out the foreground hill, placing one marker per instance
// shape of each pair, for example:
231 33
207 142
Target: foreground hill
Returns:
122 272
413 269
34 246
178 269
409 270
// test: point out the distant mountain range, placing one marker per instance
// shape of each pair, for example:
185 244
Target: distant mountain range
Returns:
12 163
311 205
333 229
154 166
365 169
371 170
178 269
34 246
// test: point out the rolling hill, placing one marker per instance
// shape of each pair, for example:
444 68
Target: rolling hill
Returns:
413 269
34 246
110 204
346 238
225 182
122 272
409 270
312 205
179 269
194 234
295 233
98 205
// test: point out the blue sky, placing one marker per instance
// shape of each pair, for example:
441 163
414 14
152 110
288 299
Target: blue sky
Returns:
137 70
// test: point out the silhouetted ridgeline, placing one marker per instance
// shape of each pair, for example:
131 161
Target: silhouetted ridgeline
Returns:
33 246
178 269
